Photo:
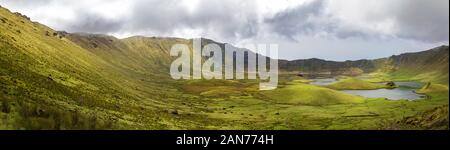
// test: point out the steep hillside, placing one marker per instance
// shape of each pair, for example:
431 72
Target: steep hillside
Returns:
55 80
42 75
428 66
139 53
433 119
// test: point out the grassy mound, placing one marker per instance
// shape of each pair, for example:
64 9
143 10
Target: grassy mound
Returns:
302 81
222 91
306 94
355 84
219 88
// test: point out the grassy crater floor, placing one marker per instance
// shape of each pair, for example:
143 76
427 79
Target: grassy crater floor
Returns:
305 113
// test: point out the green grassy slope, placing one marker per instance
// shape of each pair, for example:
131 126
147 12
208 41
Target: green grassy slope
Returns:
49 82
436 118
306 94
426 66
355 84
32 56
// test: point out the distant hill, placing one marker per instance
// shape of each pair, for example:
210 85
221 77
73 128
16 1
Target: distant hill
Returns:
428 65
315 65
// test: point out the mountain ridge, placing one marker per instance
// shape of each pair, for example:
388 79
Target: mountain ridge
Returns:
313 65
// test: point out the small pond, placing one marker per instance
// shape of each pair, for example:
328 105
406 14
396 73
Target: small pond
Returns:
404 91
323 81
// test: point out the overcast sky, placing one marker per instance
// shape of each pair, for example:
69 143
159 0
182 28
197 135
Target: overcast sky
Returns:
328 29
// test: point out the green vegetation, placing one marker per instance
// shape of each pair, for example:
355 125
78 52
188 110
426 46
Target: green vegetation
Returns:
302 81
49 82
434 119
426 66
57 80
261 112
306 94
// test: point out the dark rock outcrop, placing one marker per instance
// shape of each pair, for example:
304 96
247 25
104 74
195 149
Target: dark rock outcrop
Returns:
390 84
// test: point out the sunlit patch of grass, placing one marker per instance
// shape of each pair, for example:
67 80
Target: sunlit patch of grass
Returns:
355 84
302 81
222 91
306 94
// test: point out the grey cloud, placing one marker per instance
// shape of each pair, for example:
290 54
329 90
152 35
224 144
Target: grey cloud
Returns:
297 20
414 19
226 19
423 20
308 20
344 33
27 3
161 16
94 23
